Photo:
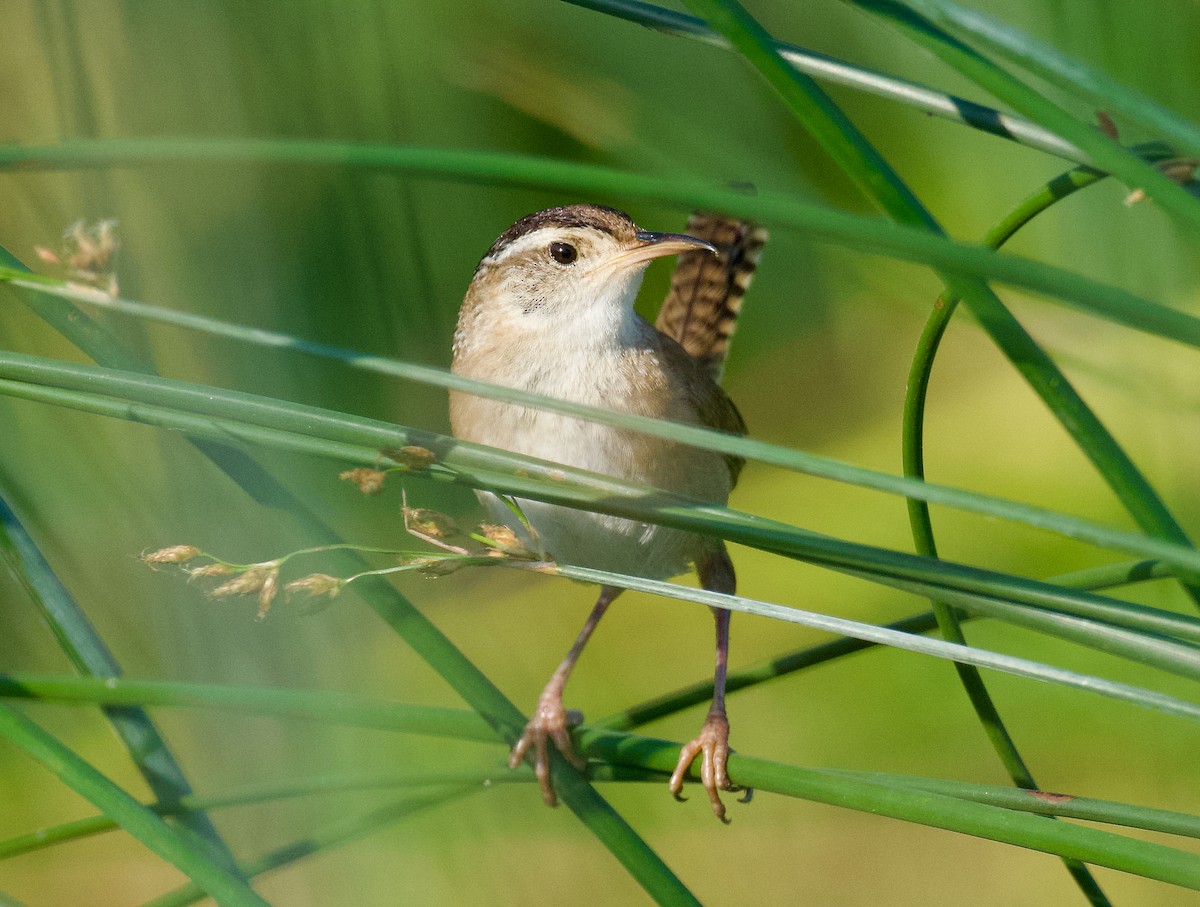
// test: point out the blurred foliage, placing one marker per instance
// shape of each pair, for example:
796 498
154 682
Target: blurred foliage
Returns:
379 263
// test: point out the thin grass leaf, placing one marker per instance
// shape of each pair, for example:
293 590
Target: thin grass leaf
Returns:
1090 845
1067 72
87 652
1104 153
912 446
182 849
810 656
329 837
360 440
1044 803
937 648
820 223
709 439
838 72
342 709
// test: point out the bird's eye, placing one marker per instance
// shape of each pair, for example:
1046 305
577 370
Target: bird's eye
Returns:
563 252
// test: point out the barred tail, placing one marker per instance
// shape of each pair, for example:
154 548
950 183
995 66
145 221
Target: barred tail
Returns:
701 309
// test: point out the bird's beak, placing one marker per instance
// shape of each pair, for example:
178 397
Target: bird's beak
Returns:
656 245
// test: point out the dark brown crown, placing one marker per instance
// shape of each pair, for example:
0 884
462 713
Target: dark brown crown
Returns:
608 220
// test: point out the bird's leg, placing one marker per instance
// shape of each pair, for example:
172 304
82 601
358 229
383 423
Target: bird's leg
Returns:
712 743
549 723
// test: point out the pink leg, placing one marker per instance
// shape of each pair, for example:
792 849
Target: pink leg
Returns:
549 723
712 743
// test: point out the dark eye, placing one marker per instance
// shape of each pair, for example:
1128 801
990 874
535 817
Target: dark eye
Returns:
563 252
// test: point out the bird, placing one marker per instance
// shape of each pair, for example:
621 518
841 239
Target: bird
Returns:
550 310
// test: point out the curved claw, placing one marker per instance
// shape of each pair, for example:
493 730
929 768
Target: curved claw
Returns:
712 745
550 723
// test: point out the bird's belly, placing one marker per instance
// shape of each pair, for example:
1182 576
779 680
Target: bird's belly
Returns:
598 540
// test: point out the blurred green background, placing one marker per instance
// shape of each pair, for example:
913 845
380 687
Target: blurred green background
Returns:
379 263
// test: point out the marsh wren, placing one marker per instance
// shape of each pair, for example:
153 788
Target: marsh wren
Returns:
550 311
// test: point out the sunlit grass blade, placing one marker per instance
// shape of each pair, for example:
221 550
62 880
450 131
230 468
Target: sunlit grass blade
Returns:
186 851
1104 153
838 72
228 415
66 375
1042 803
596 741
432 721
1071 73
937 648
774 209
811 656
746 448
1090 845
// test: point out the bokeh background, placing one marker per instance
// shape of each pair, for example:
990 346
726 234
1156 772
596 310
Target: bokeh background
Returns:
379 262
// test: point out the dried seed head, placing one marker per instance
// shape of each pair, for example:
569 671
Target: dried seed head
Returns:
369 481
505 540
175 554
267 593
315 584
251 580
411 456
91 250
430 523
433 566
210 570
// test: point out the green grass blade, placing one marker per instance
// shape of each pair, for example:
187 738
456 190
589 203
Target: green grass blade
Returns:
333 835
826 224
86 650
181 849
936 648
1068 72
838 72
271 791
797 461
747 448
313 705
810 656
1103 152
1043 803
1101 848
217 413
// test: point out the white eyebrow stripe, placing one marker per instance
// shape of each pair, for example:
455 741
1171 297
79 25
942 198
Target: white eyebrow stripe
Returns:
535 239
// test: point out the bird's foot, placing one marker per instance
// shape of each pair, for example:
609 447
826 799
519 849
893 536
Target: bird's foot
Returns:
712 744
551 723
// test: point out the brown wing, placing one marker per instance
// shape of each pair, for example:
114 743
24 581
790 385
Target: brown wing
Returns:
712 406
701 309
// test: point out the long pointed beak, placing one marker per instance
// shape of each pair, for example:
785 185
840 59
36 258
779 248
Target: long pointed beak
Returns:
656 245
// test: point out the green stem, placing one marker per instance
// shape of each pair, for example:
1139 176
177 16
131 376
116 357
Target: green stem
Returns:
184 851
82 644
827 69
